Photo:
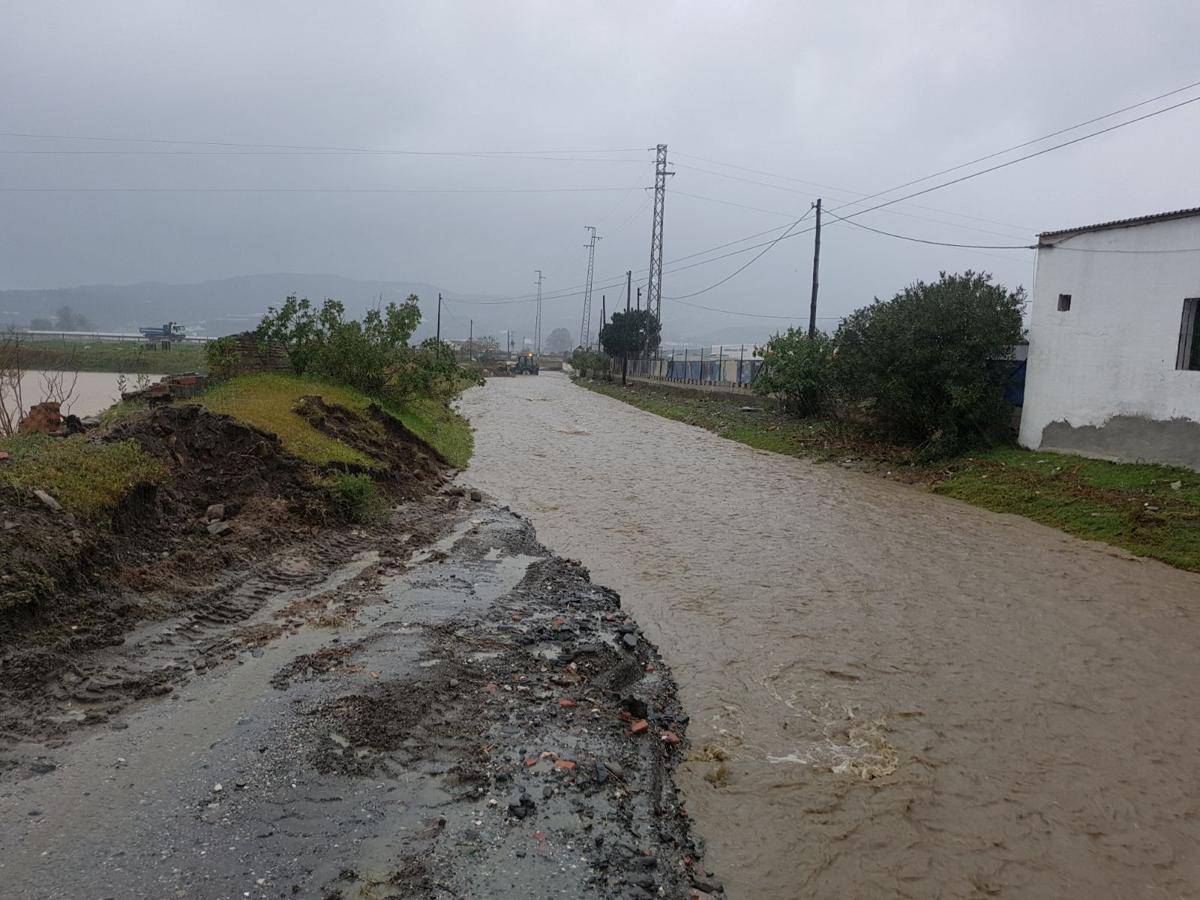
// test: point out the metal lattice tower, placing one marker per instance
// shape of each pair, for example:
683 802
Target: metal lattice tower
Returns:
585 327
537 327
654 286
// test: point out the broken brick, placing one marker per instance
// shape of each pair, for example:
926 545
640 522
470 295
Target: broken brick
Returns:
639 726
567 703
564 764
670 737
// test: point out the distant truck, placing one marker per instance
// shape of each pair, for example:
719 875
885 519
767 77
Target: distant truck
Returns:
169 331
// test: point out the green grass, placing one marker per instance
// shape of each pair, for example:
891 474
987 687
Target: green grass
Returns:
440 427
113 356
267 401
1132 506
87 478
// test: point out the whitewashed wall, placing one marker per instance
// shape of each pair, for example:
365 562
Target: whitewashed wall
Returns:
1102 379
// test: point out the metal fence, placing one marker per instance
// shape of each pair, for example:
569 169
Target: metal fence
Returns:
698 367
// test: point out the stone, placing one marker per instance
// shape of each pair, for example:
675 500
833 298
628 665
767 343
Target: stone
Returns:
215 512
476 496
47 500
567 703
639 726
522 808
629 640
707 885
670 737
216 529
564 764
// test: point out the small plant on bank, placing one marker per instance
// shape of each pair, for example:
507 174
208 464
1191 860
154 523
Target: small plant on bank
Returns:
356 498
798 370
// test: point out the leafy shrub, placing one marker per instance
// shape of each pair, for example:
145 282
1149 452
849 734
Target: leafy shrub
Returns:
593 361
797 369
356 498
222 356
922 359
372 355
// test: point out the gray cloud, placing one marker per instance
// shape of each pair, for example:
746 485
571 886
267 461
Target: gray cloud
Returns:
854 97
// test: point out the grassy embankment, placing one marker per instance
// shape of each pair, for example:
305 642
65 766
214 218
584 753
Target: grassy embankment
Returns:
1146 509
129 357
90 478
267 401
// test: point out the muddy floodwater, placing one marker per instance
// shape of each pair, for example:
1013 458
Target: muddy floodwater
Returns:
892 694
94 392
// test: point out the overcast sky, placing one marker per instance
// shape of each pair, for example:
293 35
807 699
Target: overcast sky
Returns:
842 98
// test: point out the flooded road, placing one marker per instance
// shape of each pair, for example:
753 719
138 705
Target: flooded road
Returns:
892 693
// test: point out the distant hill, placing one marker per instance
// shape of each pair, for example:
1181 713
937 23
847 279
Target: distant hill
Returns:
231 305
210 307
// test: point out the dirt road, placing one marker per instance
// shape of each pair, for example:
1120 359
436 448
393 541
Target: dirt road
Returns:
892 694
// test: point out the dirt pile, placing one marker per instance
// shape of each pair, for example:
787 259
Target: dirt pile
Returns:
411 467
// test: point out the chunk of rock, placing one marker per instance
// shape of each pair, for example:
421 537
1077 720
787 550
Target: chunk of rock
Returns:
522 808
47 500
215 512
216 529
476 496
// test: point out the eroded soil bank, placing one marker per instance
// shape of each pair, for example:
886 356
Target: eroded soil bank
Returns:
432 707
892 694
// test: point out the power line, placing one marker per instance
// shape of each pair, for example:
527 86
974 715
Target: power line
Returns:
864 196
308 148
293 190
905 237
747 265
1046 137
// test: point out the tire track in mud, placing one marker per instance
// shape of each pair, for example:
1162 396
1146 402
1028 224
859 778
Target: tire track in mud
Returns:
45 695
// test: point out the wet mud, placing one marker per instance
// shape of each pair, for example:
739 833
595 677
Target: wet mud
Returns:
434 707
892 694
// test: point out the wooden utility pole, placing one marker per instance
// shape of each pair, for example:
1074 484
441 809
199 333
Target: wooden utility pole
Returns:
625 354
471 340
812 308
439 325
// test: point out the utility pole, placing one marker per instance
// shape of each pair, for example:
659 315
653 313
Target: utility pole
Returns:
585 327
625 352
471 340
603 319
439 325
639 299
812 309
654 285
537 328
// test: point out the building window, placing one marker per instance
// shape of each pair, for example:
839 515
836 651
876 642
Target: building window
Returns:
1064 302
1189 337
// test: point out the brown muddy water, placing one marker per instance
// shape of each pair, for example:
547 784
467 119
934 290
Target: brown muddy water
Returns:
892 694
93 392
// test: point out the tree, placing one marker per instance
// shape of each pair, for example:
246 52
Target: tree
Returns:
368 354
797 369
924 359
559 341
486 348
630 333
41 325
66 319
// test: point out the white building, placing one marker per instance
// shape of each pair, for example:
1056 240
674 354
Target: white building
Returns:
1114 341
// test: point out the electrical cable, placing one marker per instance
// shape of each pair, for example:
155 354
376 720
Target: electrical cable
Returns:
745 266
905 237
